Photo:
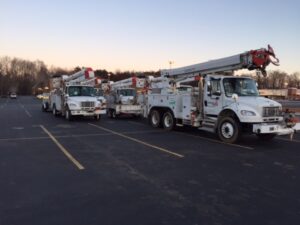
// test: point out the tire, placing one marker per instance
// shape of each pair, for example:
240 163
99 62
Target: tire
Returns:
265 137
44 108
229 130
155 119
54 111
68 115
168 121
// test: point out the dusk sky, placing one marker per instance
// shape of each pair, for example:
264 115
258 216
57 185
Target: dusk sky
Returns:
145 35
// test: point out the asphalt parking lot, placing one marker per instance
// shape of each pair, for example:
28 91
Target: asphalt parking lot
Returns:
123 171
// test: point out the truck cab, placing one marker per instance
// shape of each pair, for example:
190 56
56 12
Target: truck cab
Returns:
126 96
234 104
75 100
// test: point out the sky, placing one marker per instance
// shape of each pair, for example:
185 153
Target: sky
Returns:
145 35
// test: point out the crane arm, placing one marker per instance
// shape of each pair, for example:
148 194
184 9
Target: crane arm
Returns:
254 59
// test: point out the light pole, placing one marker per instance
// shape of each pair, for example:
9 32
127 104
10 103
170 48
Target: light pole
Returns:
171 63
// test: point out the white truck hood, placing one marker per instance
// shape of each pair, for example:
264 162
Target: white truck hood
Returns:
258 102
75 102
82 99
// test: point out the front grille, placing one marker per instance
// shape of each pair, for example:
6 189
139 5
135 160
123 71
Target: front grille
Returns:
271 111
87 104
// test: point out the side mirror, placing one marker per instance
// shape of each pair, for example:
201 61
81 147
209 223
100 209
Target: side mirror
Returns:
208 88
235 97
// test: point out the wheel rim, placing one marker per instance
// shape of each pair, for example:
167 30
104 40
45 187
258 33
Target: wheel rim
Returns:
155 118
227 130
168 121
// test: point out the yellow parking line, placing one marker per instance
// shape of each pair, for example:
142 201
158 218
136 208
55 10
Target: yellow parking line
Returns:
28 113
23 139
139 141
74 135
203 138
62 148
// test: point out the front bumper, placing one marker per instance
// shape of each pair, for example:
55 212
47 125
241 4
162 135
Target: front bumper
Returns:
88 113
129 109
279 129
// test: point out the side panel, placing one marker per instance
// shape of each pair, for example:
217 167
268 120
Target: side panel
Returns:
58 102
165 100
186 107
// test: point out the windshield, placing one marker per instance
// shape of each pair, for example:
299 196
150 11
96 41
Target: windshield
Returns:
98 92
81 91
127 92
240 86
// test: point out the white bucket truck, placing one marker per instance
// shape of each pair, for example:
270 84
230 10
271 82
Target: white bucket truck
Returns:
124 97
74 95
220 102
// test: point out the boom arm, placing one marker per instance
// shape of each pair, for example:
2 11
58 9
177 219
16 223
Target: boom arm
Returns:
84 74
133 82
255 59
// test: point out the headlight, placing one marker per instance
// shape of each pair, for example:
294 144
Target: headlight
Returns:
247 113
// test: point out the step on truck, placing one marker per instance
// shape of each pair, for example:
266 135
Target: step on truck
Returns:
74 95
219 102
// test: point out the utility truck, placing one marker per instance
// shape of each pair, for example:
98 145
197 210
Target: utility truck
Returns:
220 102
125 98
74 95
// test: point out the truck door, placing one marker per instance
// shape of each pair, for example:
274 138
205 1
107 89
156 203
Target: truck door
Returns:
212 96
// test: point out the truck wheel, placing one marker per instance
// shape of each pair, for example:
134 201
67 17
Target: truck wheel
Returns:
54 111
68 115
155 118
266 137
229 130
168 121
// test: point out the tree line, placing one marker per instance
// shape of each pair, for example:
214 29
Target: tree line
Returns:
25 76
